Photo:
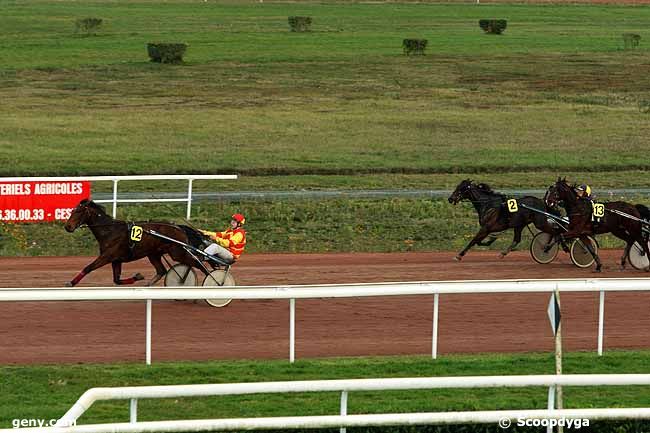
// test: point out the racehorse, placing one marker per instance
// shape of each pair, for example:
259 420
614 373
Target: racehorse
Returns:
120 242
494 214
581 224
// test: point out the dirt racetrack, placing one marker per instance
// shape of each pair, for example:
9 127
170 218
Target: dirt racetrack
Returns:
71 332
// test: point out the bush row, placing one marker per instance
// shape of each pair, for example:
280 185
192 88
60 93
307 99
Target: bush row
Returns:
173 52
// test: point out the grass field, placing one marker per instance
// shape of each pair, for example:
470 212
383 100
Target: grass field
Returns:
48 391
556 91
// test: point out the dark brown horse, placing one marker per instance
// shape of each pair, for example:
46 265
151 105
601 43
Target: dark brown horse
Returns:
581 222
495 214
120 242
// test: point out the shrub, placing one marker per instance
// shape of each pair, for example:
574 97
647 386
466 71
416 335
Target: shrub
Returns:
299 24
414 46
495 27
88 26
166 52
631 40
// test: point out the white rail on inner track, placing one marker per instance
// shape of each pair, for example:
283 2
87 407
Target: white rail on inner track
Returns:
115 179
292 293
344 387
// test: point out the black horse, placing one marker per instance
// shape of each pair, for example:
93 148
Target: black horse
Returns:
584 220
496 213
120 242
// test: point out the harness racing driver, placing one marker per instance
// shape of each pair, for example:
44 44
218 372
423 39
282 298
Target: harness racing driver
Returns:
228 244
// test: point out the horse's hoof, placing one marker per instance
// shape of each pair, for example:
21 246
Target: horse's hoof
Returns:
68 284
598 270
458 258
138 277
502 255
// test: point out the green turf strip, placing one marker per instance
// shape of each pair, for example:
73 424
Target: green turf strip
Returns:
48 391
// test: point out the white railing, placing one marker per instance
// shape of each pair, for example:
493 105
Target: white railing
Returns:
116 179
133 394
435 288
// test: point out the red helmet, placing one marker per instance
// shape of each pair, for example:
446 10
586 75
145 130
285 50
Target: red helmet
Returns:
239 218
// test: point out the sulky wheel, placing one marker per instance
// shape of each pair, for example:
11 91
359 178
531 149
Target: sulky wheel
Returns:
218 277
544 248
580 255
180 275
638 257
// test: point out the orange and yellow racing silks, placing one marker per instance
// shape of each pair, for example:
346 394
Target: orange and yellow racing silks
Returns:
232 240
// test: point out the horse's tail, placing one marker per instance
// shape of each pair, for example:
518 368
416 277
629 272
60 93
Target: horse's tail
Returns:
643 210
538 219
194 237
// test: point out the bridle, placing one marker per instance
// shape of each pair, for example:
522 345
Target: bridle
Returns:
551 193
466 193
87 214
461 194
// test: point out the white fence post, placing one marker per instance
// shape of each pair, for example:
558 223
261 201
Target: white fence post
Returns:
133 411
550 405
189 198
115 181
292 330
344 407
148 338
434 338
601 322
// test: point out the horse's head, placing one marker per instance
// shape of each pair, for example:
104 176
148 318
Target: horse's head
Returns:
85 213
461 192
559 192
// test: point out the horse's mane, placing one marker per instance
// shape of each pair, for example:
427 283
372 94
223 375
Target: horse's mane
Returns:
484 187
91 204
563 181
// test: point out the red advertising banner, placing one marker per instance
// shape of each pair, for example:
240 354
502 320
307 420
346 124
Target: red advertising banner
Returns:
40 201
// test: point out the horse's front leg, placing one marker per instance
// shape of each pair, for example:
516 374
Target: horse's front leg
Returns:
515 241
482 234
96 264
117 272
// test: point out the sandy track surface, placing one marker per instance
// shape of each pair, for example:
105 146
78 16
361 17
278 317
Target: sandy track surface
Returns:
53 332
